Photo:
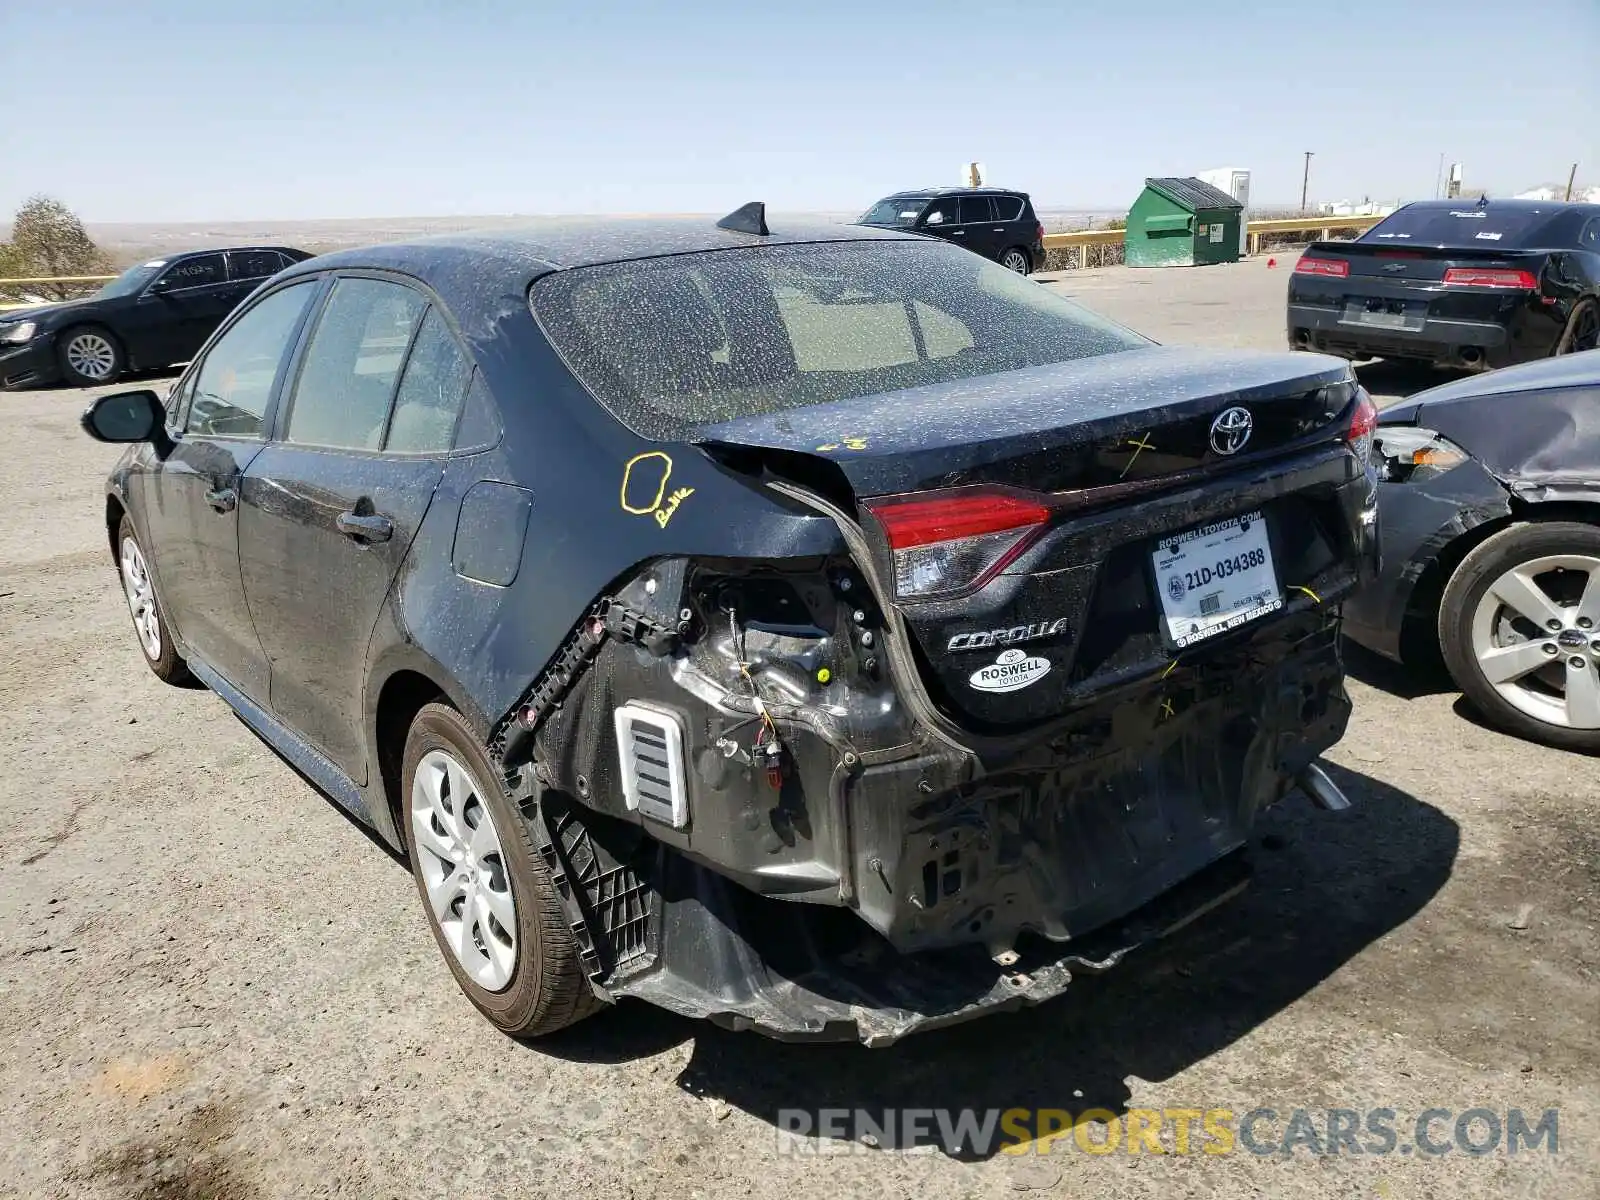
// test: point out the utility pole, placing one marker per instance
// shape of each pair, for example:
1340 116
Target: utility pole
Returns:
1438 179
1571 175
1305 182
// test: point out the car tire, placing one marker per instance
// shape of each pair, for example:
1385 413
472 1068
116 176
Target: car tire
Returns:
485 891
90 355
1548 691
1017 259
1582 331
149 620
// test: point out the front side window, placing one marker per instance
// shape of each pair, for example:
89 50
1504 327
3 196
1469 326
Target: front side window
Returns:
234 383
943 212
199 271
347 380
425 407
671 345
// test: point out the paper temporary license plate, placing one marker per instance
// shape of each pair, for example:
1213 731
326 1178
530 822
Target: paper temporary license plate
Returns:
1216 578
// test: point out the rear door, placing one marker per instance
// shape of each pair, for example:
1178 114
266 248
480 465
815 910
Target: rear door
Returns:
329 509
189 505
978 227
249 269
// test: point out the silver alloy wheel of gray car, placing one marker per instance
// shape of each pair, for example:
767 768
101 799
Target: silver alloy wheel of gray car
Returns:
91 355
141 598
463 869
1015 260
1551 672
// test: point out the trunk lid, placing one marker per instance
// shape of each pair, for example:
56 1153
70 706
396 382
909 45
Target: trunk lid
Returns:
1063 482
1068 426
1421 266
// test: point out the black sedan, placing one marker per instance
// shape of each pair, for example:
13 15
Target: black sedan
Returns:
150 316
1491 545
1455 283
818 631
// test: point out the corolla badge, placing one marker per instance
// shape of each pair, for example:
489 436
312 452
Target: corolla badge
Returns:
1011 672
1231 430
983 639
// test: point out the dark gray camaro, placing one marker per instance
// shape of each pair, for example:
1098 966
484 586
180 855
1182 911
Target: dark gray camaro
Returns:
824 631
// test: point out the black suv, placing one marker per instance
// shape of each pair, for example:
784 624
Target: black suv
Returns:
993 222
152 315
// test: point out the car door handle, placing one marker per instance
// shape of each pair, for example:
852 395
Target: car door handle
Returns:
373 527
958 233
223 499
998 229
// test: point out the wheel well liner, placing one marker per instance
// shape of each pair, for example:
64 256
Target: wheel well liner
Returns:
403 696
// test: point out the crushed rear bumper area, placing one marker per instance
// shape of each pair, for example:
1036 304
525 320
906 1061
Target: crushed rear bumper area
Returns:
946 891
716 964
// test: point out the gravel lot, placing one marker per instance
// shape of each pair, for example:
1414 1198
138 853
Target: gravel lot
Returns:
213 984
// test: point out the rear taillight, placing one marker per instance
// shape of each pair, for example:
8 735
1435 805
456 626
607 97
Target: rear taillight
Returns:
1039 228
1335 267
1362 424
952 542
1491 277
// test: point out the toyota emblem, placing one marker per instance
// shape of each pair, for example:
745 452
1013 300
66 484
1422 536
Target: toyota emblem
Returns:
1231 430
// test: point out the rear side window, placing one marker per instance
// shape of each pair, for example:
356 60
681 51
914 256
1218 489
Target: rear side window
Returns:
975 210
234 383
347 379
254 264
430 393
672 344
1007 208
1464 225
1589 236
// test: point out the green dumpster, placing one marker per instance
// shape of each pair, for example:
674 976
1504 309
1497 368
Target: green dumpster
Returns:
1182 222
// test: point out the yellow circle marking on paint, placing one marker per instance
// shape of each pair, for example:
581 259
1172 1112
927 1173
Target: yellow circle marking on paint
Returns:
661 489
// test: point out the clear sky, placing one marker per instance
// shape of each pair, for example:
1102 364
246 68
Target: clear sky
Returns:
176 110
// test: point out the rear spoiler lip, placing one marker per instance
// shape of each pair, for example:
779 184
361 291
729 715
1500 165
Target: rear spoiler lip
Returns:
1360 249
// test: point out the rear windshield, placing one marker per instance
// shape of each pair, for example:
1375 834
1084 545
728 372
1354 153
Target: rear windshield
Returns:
1467 225
895 212
671 344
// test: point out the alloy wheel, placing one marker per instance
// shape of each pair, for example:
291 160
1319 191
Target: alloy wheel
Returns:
1015 260
141 598
1536 636
463 869
1586 333
91 356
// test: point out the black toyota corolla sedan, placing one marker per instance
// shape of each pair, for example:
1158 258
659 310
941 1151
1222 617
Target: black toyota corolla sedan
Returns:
150 316
1455 283
1490 497
824 631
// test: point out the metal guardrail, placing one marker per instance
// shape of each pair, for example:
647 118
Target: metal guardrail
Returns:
53 279
1323 226
1079 238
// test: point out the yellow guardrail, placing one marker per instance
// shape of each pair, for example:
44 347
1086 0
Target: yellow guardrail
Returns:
1322 226
52 279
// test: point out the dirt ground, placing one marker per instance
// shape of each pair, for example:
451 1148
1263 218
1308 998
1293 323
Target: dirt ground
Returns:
213 984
